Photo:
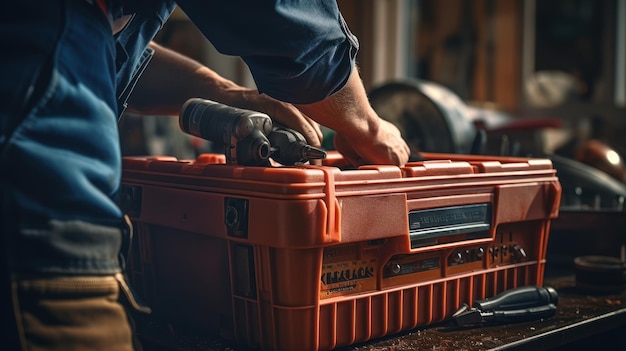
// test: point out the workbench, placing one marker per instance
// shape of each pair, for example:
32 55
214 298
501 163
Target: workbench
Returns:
582 321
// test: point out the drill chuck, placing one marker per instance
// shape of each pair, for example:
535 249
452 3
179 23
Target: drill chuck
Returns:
289 147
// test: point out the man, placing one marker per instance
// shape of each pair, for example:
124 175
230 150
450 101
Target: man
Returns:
68 69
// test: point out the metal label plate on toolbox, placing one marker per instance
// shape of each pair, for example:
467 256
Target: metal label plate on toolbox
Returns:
450 220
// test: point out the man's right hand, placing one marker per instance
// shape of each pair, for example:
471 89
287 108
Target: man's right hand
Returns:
388 147
361 135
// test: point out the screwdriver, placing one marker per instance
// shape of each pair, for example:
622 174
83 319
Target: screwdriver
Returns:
519 304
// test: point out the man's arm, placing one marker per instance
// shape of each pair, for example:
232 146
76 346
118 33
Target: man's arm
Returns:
361 135
171 78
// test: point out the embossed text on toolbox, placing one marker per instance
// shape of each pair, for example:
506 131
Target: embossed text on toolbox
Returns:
348 277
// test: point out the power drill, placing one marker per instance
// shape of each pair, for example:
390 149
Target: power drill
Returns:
249 137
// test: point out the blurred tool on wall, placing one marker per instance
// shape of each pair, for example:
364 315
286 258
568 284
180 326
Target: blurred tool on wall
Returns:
435 119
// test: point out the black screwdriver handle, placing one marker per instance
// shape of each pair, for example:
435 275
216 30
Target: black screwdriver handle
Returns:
522 315
520 298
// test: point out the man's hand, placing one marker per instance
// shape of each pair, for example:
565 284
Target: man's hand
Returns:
281 112
386 148
361 135
171 78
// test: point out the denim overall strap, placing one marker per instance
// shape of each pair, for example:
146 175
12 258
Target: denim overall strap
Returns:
60 162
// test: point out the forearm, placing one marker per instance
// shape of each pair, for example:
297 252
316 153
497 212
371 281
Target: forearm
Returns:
171 78
348 111
360 134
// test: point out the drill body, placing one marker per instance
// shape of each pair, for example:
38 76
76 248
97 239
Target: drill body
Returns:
249 137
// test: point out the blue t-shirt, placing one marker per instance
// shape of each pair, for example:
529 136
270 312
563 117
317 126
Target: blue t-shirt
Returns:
297 51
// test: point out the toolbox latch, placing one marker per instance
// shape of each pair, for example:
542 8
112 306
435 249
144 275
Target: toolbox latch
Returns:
130 199
236 217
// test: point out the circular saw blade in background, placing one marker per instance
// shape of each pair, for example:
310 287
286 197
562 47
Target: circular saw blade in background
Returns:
432 118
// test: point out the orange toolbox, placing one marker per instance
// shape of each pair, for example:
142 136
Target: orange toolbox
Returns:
319 257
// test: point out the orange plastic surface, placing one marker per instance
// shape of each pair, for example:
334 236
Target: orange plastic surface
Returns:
318 257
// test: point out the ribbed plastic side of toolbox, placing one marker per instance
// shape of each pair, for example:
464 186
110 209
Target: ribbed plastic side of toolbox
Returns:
351 319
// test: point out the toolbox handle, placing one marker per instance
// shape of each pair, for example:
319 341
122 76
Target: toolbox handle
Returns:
333 216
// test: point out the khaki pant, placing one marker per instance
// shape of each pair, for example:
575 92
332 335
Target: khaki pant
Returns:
71 313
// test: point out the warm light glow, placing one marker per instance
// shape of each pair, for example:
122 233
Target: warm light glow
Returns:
613 157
